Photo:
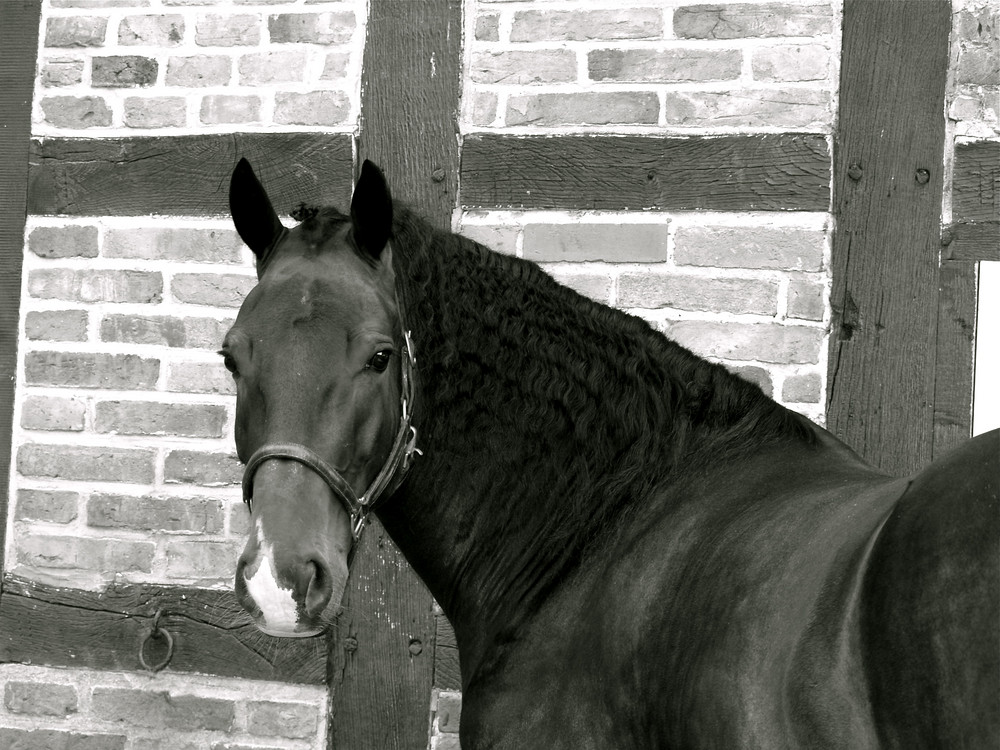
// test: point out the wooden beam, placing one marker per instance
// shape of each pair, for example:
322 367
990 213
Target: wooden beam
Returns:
185 175
786 172
42 624
382 665
972 240
976 182
410 87
973 236
887 200
975 205
19 24
447 669
954 356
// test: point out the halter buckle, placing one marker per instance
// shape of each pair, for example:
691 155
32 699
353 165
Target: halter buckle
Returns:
358 524
411 448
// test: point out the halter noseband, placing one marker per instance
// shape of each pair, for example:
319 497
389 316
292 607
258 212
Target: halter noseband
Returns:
387 481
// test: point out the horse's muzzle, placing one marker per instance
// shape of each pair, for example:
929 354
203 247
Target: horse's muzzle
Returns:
287 598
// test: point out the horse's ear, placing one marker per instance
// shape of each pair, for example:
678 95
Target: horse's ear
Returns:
254 216
371 210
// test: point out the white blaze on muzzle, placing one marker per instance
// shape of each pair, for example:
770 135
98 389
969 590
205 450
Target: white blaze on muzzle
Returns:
279 612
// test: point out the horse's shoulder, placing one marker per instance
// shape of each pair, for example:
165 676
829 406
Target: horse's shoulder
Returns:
726 602
930 599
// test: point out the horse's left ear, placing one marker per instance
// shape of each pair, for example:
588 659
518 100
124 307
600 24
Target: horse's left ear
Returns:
254 216
371 210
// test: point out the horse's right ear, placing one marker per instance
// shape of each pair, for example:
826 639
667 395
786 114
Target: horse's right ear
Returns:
371 211
254 216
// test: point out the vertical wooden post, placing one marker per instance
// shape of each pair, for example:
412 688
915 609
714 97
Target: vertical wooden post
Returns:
888 156
410 87
954 353
19 20
382 658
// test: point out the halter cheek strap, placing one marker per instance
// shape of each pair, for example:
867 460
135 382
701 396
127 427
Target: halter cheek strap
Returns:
386 482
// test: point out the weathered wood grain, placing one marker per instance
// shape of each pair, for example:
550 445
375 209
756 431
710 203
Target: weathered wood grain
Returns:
973 240
41 624
887 199
19 23
184 175
382 658
974 236
954 356
975 233
976 182
383 662
786 172
447 671
410 87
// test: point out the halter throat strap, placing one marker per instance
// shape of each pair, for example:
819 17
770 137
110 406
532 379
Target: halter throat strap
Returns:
389 477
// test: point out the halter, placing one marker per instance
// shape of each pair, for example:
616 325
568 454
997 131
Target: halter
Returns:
386 482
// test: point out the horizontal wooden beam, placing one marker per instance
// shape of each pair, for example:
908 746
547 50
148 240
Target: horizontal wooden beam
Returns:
784 172
972 240
188 175
41 624
976 182
185 175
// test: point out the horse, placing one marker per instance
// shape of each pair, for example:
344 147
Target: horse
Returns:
635 547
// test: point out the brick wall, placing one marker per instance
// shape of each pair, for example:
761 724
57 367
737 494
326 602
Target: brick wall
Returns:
51 709
124 467
973 96
161 65
704 68
748 289
124 452
974 90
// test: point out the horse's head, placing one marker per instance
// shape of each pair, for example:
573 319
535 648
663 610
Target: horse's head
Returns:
316 354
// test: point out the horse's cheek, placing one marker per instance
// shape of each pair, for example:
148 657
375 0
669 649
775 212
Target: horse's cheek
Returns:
242 430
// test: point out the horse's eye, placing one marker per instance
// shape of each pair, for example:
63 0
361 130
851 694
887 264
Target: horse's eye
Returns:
379 360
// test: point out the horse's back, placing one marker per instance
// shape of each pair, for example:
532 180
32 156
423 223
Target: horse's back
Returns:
931 606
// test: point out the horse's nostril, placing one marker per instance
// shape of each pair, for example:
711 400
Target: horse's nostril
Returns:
320 588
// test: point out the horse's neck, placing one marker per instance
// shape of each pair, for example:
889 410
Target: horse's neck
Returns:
541 418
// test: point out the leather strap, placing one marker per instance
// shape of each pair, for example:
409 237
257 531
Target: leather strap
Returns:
295 452
386 482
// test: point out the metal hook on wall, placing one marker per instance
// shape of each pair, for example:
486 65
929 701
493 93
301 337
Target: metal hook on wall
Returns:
156 633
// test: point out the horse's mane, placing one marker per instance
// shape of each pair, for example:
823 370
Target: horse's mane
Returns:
611 407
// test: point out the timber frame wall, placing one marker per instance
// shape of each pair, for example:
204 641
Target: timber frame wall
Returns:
902 336
901 346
